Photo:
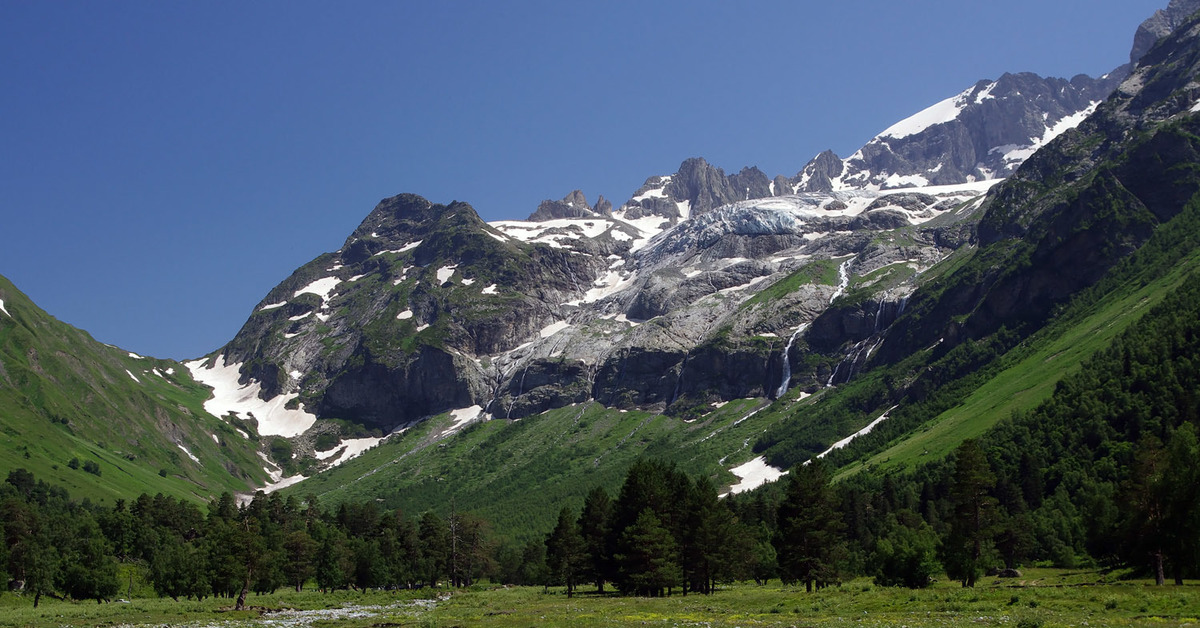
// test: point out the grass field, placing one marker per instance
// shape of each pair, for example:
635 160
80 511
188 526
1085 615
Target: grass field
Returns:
1043 597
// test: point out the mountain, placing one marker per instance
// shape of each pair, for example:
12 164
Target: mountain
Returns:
737 324
983 133
104 422
1159 25
655 305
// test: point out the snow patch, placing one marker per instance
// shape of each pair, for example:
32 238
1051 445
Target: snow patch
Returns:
866 430
299 317
282 482
407 247
754 474
461 417
189 453
405 315
939 113
553 328
489 290
908 181
611 283
467 282
321 287
230 396
272 306
135 356
351 448
133 377
445 273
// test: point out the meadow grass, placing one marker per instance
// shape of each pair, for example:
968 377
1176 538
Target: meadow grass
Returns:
1042 597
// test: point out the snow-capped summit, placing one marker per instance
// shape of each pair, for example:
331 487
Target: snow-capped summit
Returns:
984 132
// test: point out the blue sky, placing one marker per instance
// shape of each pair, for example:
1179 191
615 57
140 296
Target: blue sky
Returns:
164 164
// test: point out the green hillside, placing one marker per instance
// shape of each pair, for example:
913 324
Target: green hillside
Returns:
103 423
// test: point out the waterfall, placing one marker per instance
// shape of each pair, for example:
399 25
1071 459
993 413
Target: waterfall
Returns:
843 279
679 380
787 364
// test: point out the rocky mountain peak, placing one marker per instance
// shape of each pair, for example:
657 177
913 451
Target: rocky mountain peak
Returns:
818 174
573 205
401 220
1159 25
982 133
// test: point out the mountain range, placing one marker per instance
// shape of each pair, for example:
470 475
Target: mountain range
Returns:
736 324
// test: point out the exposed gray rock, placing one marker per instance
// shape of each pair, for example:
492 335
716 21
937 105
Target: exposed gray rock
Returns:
1159 25
574 205
818 174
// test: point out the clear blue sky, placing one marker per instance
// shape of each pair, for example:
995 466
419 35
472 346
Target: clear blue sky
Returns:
164 164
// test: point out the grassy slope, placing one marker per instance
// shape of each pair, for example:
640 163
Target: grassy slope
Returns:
63 396
1030 379
518 474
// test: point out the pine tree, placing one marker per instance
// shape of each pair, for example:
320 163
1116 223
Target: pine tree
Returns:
300 552
809 540
594 523
434 537
968 546
1182 491
649 561
565 552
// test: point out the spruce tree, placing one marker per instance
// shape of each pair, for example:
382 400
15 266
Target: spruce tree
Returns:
565 552
969 544
649 562
809 540
594 524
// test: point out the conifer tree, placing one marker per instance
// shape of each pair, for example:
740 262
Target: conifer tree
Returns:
565 552
649 562
434 537
594 523
809 540
968 546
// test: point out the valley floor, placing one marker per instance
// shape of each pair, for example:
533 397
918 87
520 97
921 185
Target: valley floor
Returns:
1044 598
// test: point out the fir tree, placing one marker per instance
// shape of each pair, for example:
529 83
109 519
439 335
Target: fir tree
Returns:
809 540
968 546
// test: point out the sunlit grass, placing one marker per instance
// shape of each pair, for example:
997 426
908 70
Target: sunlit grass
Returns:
1041 597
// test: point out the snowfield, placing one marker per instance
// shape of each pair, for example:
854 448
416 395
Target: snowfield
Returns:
229 396
350 448
321 287
753 475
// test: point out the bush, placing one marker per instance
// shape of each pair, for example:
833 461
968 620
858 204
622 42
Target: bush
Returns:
281 451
